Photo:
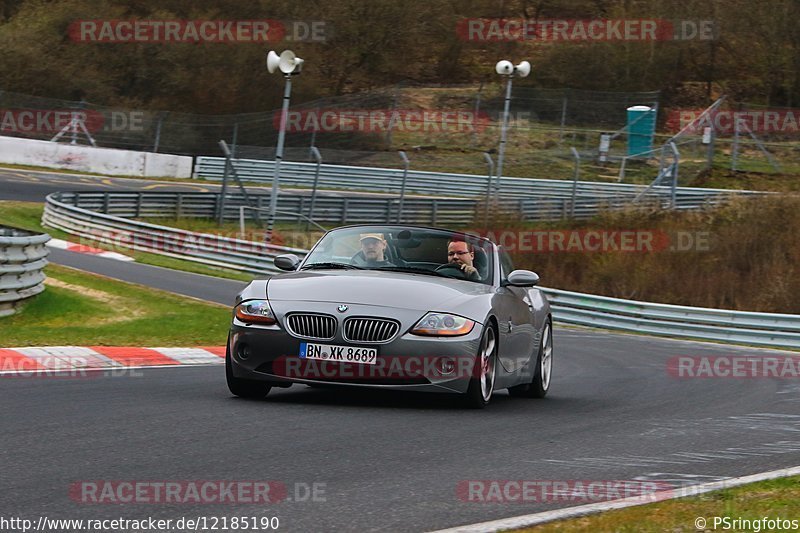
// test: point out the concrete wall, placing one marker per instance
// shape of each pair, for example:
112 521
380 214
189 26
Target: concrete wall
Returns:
108 161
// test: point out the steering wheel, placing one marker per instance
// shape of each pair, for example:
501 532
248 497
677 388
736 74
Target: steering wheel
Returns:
452 270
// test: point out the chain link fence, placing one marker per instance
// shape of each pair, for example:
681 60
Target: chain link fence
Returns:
441 128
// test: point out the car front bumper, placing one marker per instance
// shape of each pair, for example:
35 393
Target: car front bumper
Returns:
409 362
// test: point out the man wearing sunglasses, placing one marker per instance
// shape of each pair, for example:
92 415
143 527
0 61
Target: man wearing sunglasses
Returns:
463 254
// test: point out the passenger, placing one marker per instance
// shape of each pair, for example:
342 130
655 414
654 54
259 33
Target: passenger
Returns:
373 250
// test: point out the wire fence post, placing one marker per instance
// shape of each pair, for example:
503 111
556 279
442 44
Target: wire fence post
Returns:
674 191
315 153
314 133
490 163
403 185
735 154
234 139
392 117
223 192
563 118
477 113
575 176
157 140
712 134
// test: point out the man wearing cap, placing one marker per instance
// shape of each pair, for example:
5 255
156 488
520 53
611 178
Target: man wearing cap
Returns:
373 248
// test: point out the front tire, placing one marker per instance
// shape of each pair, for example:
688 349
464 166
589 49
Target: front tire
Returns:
481 383
243 388
540 384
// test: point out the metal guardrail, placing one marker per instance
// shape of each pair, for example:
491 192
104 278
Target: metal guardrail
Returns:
118 231
453 212
22 258
738 327
112 227
387 180
327 209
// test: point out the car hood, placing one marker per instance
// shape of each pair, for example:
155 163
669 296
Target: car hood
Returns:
389 289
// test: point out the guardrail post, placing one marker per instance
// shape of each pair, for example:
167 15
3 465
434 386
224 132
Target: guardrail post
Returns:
105 203
344 210
139 205
179 205
434 211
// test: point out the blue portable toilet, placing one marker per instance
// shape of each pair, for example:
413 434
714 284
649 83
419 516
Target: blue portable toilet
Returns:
641 129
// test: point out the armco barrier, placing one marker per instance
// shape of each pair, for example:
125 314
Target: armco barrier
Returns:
450 212
327 209
22 258
456 185
208 249
61 211
739 327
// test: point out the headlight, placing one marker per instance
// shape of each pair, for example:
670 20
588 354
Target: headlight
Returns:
443 324
255 311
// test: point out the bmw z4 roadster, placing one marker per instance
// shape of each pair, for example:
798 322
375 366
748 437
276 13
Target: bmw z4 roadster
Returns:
394 307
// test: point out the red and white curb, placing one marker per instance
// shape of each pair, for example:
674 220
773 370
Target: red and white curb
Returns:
524 521
71 358
82 249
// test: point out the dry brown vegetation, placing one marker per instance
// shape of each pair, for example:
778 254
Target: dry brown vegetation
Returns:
752 261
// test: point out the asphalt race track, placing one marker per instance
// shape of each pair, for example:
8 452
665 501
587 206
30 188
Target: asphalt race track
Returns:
385 461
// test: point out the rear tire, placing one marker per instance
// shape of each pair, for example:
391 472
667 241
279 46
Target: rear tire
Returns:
540 384
481 383
243 388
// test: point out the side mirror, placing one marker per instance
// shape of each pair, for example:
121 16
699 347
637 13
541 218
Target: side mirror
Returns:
286 262
523 278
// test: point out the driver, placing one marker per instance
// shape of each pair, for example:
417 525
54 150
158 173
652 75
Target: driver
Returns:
462 254
373 248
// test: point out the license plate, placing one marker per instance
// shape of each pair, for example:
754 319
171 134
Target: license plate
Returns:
345 354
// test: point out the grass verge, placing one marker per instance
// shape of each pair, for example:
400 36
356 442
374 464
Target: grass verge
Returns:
84 309
774 499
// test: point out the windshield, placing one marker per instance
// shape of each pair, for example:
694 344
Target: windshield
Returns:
416 251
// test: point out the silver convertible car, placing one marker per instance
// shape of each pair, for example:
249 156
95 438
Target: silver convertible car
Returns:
394 307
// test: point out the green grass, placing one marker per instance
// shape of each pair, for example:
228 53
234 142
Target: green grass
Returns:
28 215
83 309
773 499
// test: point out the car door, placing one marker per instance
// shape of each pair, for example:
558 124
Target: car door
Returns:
514 309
